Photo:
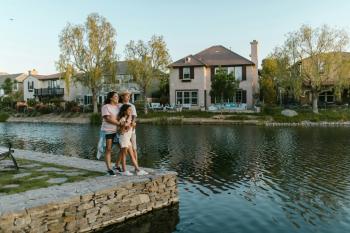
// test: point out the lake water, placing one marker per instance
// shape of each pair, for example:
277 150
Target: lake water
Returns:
231 178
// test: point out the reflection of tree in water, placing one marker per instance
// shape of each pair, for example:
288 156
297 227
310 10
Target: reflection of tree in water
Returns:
159 221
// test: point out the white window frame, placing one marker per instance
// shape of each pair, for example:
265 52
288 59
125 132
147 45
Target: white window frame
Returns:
236 70
188 99
30 86
186 71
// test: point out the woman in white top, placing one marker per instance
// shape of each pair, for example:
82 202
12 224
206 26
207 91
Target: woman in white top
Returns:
109 113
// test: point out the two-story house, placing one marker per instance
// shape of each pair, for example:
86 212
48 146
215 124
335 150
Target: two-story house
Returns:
42 87
17 81
190 77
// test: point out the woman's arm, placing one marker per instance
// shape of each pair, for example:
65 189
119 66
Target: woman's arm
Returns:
111 120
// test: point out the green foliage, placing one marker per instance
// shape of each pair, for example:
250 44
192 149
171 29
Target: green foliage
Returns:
314 58
7 86
147 61
7 102
95 119
268 91
70 106
4 116
32 102
88 53
224 86
140 106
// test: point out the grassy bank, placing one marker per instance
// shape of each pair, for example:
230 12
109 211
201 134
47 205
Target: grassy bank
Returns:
172 118
328 115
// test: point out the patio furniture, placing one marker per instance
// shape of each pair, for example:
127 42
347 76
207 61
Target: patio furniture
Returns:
170 107
156 106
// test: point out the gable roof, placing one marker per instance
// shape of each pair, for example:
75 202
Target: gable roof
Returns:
47 77
13 77
216 55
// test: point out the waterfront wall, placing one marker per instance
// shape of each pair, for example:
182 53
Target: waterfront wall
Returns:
93 210
86 205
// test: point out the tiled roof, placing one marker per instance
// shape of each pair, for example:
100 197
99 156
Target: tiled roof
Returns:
216 55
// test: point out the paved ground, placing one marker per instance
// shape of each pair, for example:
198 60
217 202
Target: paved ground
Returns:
57 193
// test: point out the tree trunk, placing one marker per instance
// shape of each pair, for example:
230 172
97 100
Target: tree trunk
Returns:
314 101
145 100
94 100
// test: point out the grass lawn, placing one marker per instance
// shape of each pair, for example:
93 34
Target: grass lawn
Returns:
34 175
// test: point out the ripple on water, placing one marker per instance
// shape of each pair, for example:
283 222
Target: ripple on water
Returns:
231 179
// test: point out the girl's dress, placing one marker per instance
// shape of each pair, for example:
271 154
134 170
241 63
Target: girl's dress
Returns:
125 132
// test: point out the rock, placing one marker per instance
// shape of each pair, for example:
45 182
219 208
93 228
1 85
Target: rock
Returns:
21 175
50 169
39 177
57 180
10 186
289 113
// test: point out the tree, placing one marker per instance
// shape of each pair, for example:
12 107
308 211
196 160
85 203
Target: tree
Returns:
147 61
316 56
267 81
88 54
7 86
224 85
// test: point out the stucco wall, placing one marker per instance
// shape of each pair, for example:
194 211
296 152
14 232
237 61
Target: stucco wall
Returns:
198 83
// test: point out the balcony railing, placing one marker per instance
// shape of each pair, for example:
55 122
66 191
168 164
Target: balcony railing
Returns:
49 92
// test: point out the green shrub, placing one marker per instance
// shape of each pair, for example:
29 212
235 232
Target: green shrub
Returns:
95 119
4 116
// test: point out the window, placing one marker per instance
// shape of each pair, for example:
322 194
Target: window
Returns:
241 96
186 73
187 97
326 97
53 84
87 100
224 69
30 86
15 85
237 71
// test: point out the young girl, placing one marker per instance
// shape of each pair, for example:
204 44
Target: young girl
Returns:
125 131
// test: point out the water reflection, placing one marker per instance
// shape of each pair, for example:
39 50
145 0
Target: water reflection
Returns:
241 177
159 221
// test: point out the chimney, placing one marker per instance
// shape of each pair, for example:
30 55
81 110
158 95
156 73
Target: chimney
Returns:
32 72
254 52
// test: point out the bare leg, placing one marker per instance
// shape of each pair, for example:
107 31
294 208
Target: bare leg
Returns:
108 153
123 155
134 145
132 156
119 159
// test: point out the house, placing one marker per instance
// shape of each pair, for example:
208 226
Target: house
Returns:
190 77
41 87
17 80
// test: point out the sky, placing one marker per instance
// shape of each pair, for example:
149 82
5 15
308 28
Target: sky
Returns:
29 29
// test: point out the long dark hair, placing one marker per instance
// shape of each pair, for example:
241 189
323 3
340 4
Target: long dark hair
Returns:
109 97
122 111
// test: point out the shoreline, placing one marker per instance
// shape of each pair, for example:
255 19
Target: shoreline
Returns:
49 118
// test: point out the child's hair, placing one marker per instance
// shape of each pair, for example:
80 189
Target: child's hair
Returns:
122 111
